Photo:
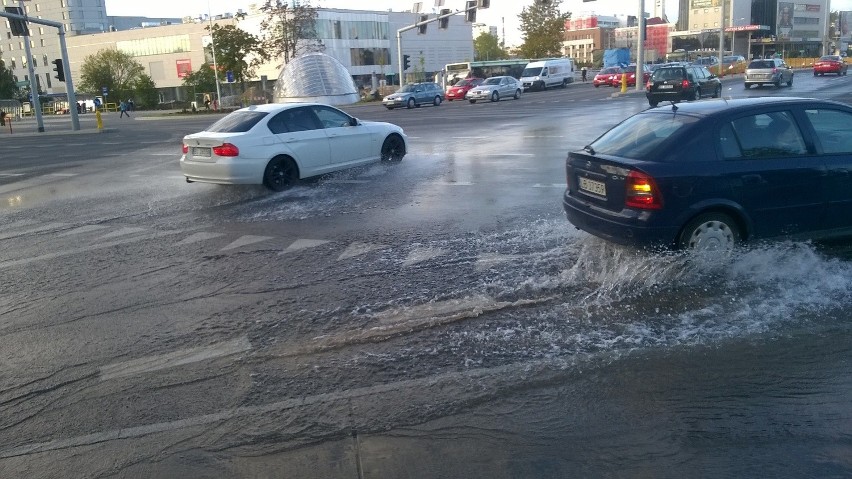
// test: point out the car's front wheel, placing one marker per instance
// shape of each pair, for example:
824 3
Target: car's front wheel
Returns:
710 232
472 101
790 81
393 149
410 103
281 172
517 94
495 96
718 91
437 101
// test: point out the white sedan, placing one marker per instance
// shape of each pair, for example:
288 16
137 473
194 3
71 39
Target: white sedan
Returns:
277 144
495 88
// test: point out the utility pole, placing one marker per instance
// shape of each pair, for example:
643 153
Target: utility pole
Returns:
640 49
36 102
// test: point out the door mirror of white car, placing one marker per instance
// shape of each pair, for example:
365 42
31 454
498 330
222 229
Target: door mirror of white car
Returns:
353 121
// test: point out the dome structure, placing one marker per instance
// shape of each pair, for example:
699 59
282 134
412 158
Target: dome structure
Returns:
315 77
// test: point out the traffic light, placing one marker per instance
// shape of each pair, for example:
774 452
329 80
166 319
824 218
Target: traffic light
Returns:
59 69
470 11
444 22
483 3
406 62
422 27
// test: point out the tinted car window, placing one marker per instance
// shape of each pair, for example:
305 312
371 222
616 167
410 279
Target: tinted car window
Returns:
769 135
237 122
331 118
640 134
668 74
832 129
761 64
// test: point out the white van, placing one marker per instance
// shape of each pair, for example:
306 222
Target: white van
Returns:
544 74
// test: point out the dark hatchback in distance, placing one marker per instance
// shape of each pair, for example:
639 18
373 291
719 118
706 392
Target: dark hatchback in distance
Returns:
681 82
709 175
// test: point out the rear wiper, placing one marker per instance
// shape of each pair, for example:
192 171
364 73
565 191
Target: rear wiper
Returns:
589 149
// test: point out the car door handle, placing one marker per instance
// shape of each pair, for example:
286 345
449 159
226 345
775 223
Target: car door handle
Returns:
754 179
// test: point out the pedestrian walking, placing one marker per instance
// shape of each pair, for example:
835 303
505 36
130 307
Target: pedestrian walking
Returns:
123 108
583 72
207 101
131 106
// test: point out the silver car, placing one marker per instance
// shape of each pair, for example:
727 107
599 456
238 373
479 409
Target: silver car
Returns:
773 71
495 88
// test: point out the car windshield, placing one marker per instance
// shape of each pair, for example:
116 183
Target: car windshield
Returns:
761 64
531 72
829 58
639 135
407 88
492 81
237 122
465 83
609 70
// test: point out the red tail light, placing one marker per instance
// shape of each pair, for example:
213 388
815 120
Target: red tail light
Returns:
774 70
642 192
684 84
185 148
226 149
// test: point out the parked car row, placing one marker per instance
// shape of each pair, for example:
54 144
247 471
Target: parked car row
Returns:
414 95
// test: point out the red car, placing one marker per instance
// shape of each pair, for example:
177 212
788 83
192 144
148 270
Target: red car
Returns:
460 89
830 64
605 76
631 76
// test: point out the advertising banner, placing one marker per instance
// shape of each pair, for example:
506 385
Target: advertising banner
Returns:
184 68
785 20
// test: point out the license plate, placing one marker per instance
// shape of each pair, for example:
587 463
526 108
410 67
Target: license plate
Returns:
666 87
592 186
199 151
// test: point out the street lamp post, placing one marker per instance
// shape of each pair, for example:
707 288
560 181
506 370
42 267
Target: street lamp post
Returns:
215 67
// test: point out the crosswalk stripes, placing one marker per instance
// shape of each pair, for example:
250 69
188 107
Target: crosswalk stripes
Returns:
245 241
303 244
421 254
82 230
198 237
358 249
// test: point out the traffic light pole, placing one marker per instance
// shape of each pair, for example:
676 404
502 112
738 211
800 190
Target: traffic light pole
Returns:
69 84
418 25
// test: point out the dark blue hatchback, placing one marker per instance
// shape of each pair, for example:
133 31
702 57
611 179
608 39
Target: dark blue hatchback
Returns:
708 175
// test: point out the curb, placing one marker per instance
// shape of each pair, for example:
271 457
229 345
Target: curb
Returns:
57 133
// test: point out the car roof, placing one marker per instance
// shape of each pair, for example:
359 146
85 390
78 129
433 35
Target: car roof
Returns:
714 107
276 107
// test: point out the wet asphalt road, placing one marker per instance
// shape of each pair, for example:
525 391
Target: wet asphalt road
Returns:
435 318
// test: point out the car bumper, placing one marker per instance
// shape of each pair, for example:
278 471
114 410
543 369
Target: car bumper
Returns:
455 96
395 102
673 95
629 231
762 80
224 171
828 69
479 95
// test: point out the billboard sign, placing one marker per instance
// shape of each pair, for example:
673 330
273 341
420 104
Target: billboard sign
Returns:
785 20
184 68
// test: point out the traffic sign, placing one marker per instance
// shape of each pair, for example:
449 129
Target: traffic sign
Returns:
104 91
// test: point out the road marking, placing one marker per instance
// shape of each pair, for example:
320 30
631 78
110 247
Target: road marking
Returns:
552 185
420 254
513 154
128 230
12 174
452 183
245 241
37 229
82 229
195 238
303 244
488 260
545 136
501 374
84 249
348 182
149 364
470 137
357 249
63 175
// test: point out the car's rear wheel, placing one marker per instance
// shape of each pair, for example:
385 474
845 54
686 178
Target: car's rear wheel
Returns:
717 92
517 94
653 103
495 96
393 149
790 81
748 86
281 172
472 101
437 101
815 73
696 95
710 232
389 107
410 103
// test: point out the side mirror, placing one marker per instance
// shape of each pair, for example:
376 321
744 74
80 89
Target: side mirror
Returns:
353 121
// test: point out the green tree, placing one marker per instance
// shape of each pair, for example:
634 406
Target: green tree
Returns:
543 29
487 47
202 80
114 69
291 30
146 92
8 88
237 51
